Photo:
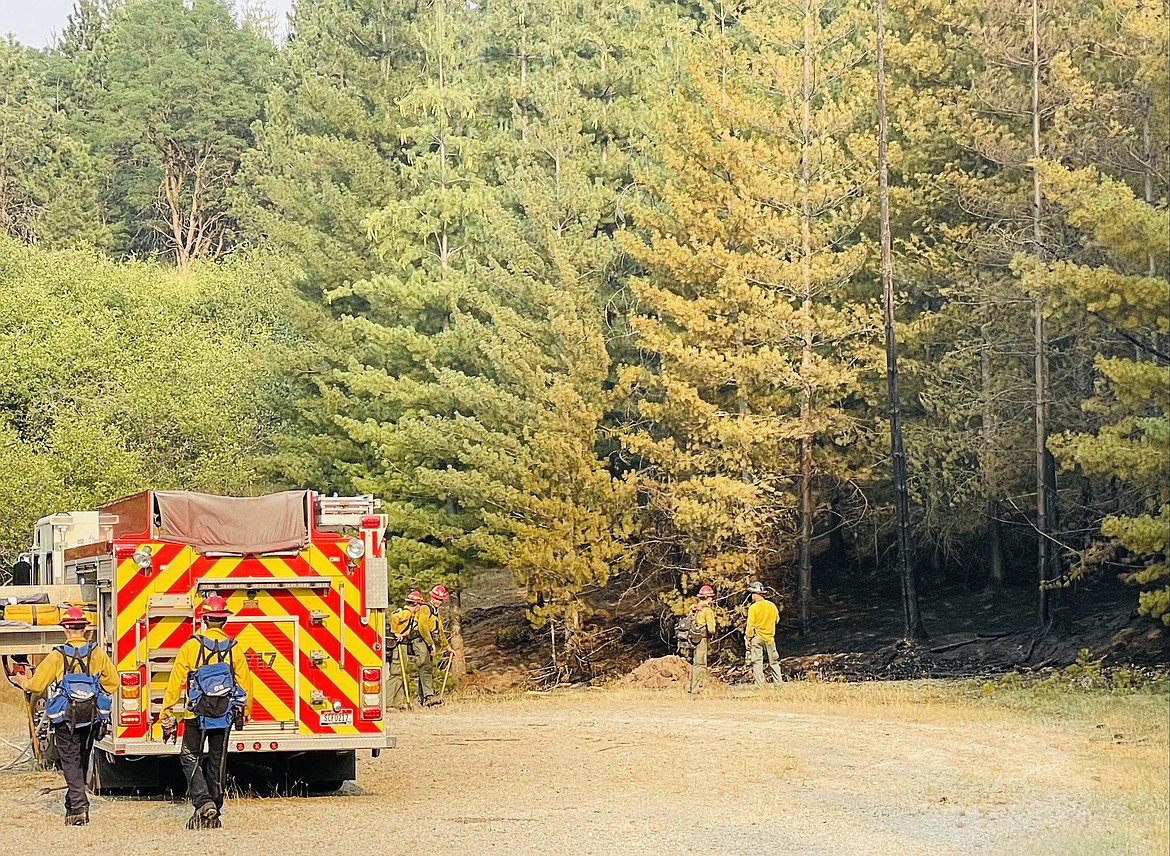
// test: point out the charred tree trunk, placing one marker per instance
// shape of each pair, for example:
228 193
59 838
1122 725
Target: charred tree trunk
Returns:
1043 503
995 576
806 440
912 618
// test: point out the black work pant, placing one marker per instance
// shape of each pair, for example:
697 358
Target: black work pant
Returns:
74 746
204 787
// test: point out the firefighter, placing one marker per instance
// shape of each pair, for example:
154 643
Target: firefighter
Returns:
704 620
760 635
400 627
425 638
430 616
74 738
201 654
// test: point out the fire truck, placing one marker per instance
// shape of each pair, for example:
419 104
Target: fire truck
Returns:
305 577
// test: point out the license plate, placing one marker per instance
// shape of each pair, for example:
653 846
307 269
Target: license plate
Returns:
340 717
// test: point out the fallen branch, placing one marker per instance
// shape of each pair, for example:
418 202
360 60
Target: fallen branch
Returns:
939 649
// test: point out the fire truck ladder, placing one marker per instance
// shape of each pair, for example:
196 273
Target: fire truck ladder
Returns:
335 512
175 609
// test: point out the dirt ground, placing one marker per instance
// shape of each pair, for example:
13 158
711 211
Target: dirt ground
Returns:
856 634
799 769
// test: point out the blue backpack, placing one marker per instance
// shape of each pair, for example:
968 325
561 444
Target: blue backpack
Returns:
212 692
78 699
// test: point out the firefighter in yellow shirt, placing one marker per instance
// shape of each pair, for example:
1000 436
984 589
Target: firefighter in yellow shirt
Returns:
399 628
206 649
73 738
760 635
704 619
430 639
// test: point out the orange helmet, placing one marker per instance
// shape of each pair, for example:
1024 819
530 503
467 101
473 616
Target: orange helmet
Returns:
74 617
439 593
415 596
706 592
214 607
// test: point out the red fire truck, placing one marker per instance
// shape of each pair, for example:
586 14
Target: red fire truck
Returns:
305 577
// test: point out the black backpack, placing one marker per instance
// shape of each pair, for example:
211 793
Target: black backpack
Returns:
688 632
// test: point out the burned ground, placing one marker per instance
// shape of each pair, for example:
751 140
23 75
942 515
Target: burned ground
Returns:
856 634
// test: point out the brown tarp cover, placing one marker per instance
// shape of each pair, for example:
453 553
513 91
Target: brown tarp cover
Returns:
228 524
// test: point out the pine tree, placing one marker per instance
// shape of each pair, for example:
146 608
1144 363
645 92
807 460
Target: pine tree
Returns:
181 86
1126 286
48 187
754 345
1026 86
327 153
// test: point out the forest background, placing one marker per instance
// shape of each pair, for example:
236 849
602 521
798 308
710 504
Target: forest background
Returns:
591 291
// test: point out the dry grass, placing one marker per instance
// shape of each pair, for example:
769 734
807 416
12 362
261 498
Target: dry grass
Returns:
927 768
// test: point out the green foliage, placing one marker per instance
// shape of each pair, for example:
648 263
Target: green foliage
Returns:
326 153
122 377
181 84
1128 290
48 187
584 288
1085 676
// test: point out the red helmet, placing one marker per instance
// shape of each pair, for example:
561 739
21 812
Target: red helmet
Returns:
415 596
439 593
74 617
214 607
707 592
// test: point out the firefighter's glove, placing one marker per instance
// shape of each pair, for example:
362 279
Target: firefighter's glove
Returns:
170 729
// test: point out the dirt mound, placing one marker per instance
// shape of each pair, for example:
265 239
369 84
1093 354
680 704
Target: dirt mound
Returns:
659 672
493 682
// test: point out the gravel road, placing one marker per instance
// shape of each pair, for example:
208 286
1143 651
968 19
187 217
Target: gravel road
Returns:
638 772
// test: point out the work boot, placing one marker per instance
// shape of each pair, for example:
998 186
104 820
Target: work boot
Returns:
206 817
76 819
432 701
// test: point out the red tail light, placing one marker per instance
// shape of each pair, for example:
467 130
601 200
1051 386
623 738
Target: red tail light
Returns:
370 714
371 674
371 521
130 702
124 551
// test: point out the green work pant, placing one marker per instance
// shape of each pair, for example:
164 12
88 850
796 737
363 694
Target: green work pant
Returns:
395 689
759 649
698 667
423 664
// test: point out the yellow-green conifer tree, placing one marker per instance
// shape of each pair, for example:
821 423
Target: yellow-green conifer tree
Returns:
754 348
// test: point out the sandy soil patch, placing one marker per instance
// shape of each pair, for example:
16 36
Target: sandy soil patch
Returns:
632 771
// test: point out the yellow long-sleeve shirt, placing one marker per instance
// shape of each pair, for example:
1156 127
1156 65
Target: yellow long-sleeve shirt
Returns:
430 627
52 669
185 662
705 617
761 621
400 620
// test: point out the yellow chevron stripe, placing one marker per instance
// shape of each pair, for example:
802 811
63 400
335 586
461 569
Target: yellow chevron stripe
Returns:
353 643
346 683
161 582
249 637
